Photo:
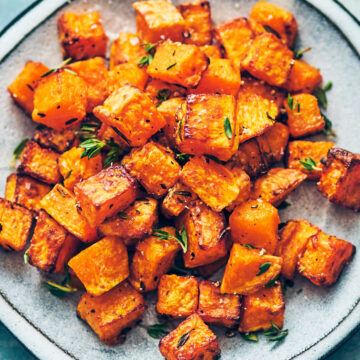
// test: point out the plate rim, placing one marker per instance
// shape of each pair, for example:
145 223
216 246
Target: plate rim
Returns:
32 337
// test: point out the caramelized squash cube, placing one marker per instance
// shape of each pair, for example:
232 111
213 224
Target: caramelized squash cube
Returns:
324 258
216 308
109 314
244 183
82 35
104 194
22 88
10 187
41 164
212 51
60 141
101 266
263 308
201 342
178 296
132 115
340 178
153 258
277 184
127 74
154 166
247 271
15 225
60 204
178 63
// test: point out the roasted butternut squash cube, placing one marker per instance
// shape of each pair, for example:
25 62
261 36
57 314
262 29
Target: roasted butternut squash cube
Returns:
303 78
60 141
220 77
255 223
177 199
304 118
200 343
74 169
154 166
294 237
197 17
126 48
51 245
101 266
109 314
206 234
95 74
247 271
213 183
268 59
300 150
41 164
235 36
125 74
154 256
15 225
22 88
160 91
104 194
178 296
340 178
61 205
212 51
324 258
133 224
158 20
10 187
209 269
132 114
178 63
276 18
82 35
216 308
60 100
277 184
263 308
244 183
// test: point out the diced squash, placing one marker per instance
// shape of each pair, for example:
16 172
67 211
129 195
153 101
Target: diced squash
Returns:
256 27
300 150
51 245
60 204
74 169
255 223
132 115
212 51
178 63
154 166
263 308
82 35
206 124
101 266
216 308
158 20
247 271
60 141
340 178
304 118
244 183
127 73
160 91
178 296
22 88
268 59
104 194
294 237
324 258
206 234
201 342
109 314
153 258
60 100
209 269
279 20
277 184
197 17
134 224
215 185
15 225
10 187
41 164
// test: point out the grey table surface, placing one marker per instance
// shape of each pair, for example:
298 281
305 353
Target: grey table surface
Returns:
10 347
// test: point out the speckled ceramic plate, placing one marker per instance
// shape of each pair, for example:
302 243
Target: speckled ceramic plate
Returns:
318 319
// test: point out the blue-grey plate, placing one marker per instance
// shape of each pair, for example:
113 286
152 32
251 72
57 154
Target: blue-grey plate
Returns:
318 319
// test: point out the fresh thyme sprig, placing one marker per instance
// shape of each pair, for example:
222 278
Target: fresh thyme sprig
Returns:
310 164
64 63
18 150
180 237
163 95
250 336
63 288
293 104
299 53
275 333
328 130
87 130
157 331
227 128
263 268
320 94
146 60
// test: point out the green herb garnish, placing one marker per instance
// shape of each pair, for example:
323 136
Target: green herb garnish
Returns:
299 53
283 205
275 333
65 62
272 282
19 149
157 331
183 339
87 131
62 288
320 94
163 95
171 66
263 268
182 193
26 256
146 60
269 116
248 246
227 127
115 152
123 215
251 336
309 164
180 237
292 103
328 130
